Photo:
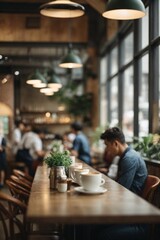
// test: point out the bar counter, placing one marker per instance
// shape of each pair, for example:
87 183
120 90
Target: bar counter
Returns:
116 205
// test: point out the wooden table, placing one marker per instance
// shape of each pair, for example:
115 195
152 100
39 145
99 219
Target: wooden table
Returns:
117 205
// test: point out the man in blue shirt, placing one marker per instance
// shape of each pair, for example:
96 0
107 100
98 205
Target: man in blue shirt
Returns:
132 171
80 147
132 174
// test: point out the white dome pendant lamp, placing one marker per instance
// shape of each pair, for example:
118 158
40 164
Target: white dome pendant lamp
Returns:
124 9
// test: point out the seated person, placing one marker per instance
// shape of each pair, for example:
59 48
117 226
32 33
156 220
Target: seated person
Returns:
132 171
132 174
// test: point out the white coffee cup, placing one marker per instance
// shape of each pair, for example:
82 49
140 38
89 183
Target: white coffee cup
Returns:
91 181
74 166
76 174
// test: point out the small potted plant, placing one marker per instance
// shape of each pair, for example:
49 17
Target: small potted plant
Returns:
58 162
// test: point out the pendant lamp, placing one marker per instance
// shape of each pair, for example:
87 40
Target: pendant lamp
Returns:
41 84
124 9
62 9
71 60
35 78
54 82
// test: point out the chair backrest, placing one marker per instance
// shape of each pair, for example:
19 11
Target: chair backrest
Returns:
18 191
10 207
20 182
22 174
151 184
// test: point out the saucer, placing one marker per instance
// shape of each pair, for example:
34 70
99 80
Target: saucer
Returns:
98 191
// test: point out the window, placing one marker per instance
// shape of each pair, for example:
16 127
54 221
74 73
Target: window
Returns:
145 29
127 122
159 83
143 98
114 60
128 48
114 102
103 92
159 17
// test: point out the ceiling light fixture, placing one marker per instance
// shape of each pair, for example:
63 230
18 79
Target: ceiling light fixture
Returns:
46 90
54 82
71 60
62 9
124 9
35 78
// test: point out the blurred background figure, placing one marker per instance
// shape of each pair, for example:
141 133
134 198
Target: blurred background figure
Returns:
3 161
32 149
80 148
17 136
68 139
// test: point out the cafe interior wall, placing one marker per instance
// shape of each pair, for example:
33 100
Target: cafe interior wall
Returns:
14 30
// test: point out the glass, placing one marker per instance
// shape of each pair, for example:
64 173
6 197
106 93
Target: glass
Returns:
4 125
159 82
114 60
143 98
128 113
159 16
145 29
128 48
114 102
103 70
103 91
103 105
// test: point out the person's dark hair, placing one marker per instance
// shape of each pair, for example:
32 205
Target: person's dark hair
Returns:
112 134
18 122
76 126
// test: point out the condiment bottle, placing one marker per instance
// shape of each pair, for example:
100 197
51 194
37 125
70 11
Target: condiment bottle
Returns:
62 184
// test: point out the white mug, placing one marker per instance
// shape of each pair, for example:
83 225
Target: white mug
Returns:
74 166
75 175
91 181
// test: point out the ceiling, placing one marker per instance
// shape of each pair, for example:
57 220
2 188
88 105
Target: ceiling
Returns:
28 55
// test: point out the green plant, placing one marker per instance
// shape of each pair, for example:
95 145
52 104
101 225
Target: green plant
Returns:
57 158
148 146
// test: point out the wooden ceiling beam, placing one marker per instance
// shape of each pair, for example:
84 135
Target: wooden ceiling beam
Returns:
97 5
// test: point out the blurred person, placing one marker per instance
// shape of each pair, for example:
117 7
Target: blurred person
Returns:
67 140
80 148
3 161
17 136
32 148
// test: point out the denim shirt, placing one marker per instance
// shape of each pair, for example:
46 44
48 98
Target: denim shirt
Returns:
81 145
132 171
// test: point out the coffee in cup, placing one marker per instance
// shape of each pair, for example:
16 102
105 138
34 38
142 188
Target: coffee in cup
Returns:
91 181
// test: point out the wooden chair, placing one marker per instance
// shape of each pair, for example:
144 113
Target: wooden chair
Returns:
151 184
22 174
21 182
18 191
149 194
10 209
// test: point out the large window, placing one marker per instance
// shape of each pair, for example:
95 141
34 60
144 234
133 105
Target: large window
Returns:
134 65
143 98
128 114
114 101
